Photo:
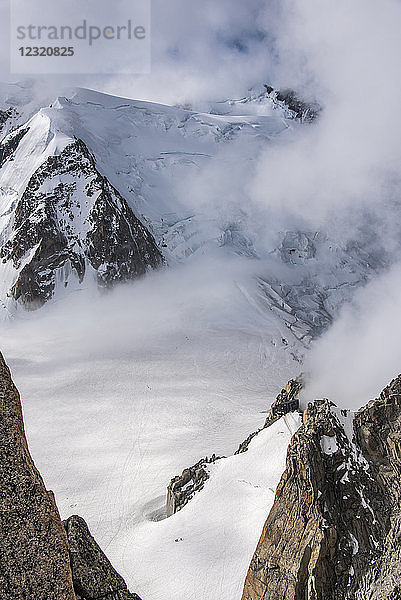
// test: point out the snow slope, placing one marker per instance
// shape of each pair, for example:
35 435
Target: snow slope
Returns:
206 548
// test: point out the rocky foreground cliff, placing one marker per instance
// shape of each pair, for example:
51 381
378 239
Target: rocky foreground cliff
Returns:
333 532
33 544
39 558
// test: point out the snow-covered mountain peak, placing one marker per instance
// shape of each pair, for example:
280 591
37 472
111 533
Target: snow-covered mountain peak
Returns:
151 164
138 149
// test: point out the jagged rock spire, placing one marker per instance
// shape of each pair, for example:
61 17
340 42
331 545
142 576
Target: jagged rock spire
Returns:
333 532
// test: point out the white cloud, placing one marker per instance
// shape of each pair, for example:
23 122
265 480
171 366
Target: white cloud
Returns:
361 353
203 51
346 54
343 175
200 51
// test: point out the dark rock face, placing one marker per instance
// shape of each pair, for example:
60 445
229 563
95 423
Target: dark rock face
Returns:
378 432
33 545
9 145
92 573
69 220
286 402
306 111
4 116
333 532
303 110
119 247
8 117
182 488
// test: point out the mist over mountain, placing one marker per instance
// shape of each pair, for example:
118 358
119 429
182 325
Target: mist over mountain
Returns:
176 246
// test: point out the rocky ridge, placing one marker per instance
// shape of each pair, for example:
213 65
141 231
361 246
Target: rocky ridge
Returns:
93 575
10 143
9 119
286 401
335 521
182 488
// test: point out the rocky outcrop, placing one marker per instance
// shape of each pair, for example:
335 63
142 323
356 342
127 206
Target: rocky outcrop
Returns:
71 220
4 116
378 433
33 545
182 488
335 522
8 118
9 145
286 402
92 573
302 109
